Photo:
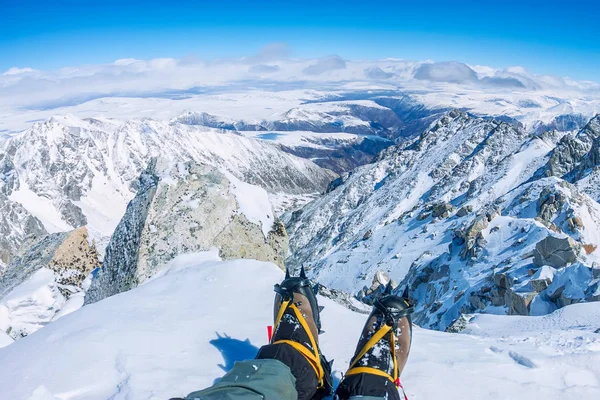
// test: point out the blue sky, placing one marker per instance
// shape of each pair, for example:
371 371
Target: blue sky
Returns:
552 37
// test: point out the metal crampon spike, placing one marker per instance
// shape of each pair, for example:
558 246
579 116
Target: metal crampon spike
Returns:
302 272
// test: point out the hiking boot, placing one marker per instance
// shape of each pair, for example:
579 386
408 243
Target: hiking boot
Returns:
295 340
381 352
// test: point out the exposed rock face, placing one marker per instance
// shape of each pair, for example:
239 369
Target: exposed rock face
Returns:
576 158
549 203
185 208
74 259
556 252
441 210
464 211
470 237
18 229
381 283
68 254
36 257
53 270
571 150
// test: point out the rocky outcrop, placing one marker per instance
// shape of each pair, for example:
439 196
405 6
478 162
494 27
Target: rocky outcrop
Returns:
550 202
73 260
556 252
18 229
464 211
571 150
185 208
39 283
471 238
441 210
68 254
381 284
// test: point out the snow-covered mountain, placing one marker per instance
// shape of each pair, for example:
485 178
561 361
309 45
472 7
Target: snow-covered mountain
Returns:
335 133
183 329
251 91
460 216
67 172
476 188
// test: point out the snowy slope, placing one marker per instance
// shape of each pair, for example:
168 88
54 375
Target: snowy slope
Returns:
446 214
181 330
439 165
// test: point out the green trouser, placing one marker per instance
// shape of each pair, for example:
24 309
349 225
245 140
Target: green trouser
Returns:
265 379
252 380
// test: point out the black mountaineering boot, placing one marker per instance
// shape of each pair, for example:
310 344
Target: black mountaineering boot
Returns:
381 352
295 340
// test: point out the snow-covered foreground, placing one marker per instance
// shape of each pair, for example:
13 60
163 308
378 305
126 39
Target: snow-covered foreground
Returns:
181 330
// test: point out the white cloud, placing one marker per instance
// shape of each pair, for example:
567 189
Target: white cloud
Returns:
264 69
377 73
27 95
326 64
126 61
452 72
18 71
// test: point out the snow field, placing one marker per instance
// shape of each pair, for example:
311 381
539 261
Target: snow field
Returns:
182 329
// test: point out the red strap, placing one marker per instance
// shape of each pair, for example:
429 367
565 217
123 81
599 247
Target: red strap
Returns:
269 332
398 384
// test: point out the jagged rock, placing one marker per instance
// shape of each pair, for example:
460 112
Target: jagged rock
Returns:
539 285
458 161
596 271
337 182
466 210
423 215
518 303
549 203
367 234
18 229
380 282
460 324
493 213
68 254
71 213
574 223
556 252
503 281
344 299
474 229
477 301
471 237
64 260
74 259
571 150
441 210
36 257
497 296
185 208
